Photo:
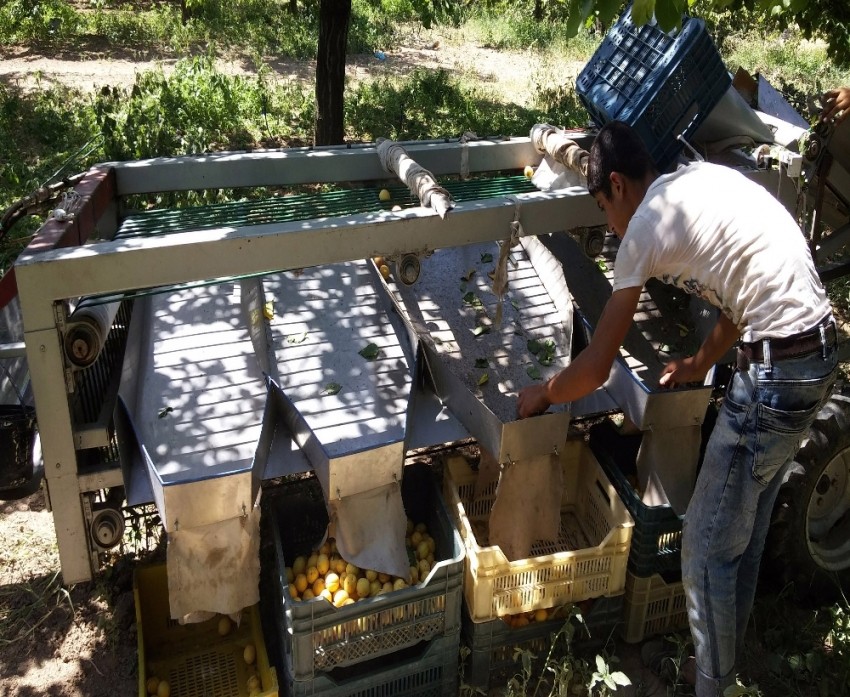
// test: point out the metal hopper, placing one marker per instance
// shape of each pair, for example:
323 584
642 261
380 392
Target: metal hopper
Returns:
478 365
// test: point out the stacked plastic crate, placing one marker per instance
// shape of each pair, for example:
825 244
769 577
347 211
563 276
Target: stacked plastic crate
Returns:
654 597
662 84
526 602
401 642
214 657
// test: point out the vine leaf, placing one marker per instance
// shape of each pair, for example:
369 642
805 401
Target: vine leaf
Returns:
370 352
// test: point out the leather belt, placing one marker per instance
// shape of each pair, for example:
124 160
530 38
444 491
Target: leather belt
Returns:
793 346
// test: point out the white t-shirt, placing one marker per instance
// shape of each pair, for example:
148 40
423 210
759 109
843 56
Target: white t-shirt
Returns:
711 231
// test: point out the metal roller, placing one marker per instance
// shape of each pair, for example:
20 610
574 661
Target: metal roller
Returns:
86 332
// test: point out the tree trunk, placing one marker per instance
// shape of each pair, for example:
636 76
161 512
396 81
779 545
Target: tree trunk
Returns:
334 20
538 10
293 7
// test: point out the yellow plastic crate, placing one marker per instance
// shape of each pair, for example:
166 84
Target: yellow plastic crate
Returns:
587 561
193 658
653 606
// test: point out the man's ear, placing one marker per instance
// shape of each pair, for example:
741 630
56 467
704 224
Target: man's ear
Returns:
617 184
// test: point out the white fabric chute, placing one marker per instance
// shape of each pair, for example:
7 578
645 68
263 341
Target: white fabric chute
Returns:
564 161
419 180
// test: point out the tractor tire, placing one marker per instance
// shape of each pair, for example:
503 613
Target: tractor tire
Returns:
808 544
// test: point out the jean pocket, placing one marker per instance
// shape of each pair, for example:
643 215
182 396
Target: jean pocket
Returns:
779 434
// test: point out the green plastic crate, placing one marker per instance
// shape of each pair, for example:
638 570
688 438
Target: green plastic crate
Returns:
429 669
317 637
656 545
492 644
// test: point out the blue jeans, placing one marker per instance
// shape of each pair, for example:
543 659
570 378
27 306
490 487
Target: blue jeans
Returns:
766 413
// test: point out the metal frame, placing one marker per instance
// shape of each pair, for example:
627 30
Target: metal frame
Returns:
47 279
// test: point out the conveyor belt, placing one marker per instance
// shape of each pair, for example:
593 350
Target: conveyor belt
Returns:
326 204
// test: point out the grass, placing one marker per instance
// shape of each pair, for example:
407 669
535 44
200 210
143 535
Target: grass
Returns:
198 109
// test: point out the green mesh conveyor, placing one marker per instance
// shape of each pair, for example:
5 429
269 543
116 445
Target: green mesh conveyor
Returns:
282 209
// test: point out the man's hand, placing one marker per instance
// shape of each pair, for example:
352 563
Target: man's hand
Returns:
532 401
680 372
836 105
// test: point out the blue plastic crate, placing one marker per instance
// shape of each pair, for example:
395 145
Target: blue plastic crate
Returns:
492 644
664 85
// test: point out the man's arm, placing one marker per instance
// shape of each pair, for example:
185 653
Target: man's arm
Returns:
592 366
693 369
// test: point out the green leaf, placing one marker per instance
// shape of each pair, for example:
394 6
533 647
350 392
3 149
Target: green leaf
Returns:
165 411
607 10
370 352
332 388
481 329
481 363
669 14
642 11
297 338
621 678
534 346
602 265
486 258
484 379
473 300
574 18
533 372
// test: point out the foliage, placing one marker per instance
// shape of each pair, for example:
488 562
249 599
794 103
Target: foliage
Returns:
37 20
564 670
824 19
156 26
47 127
433 104
254 26
198 109
794 648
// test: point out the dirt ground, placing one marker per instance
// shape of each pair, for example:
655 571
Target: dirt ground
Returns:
508 74
59 641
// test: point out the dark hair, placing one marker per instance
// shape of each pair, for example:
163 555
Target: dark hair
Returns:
617 148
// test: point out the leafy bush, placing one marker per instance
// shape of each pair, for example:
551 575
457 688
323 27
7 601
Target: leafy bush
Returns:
44 131
432 104
158 26
36 20
198 109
